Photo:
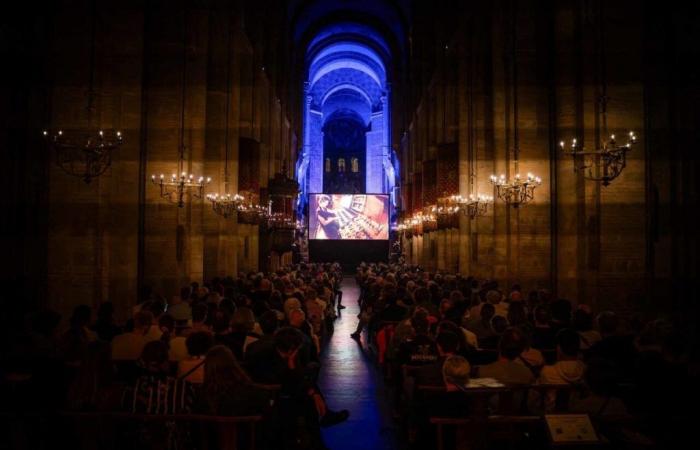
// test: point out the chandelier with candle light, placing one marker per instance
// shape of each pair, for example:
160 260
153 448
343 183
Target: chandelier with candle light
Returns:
82 153
85 153
472 206
225 204
607 161
603 164
516 191
176 187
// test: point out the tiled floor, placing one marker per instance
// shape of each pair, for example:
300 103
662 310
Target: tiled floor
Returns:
350 381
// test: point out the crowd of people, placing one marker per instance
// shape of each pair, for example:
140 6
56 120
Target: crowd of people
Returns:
244 346
447 330
250 345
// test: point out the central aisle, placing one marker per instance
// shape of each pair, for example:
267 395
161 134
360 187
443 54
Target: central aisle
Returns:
350 381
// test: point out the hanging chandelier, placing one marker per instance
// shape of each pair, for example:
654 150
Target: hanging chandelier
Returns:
603 164
226 204
473 206
516 191
607 161
175 188
85 153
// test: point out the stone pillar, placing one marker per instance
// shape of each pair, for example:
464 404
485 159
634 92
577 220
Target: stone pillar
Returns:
303 169
374 183
314 137
173 236
389 173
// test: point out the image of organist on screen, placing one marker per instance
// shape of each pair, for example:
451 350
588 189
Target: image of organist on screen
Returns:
349 216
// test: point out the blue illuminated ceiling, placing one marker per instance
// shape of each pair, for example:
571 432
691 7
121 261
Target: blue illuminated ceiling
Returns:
348 79
351 51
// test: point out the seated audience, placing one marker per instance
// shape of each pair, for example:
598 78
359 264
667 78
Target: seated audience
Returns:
199 319
128 346
75 340
506 370
615 346
177 350
227 390
583 324
420 348
530 357
105 325
481 325
447 344
568 370
543 335
179 308
191 368
602 380
259 352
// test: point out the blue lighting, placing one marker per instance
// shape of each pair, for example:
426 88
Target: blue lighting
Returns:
346 73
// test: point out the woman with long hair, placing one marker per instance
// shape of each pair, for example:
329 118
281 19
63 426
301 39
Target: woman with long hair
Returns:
327 218
227 389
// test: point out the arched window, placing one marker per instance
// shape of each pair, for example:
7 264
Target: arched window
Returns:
355 165
328 165
341 164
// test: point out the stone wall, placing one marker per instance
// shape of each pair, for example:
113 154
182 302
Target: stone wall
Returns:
585 241
110 237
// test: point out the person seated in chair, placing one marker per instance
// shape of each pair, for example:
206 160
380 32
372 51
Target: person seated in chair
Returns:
568 370
506 370
419 349
301 399
431 375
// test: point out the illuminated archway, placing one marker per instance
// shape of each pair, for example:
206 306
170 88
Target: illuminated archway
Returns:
346 70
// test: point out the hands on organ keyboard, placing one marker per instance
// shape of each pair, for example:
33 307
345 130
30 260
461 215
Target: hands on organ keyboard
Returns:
357 226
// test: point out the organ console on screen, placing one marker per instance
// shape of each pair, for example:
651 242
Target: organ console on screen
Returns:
349 216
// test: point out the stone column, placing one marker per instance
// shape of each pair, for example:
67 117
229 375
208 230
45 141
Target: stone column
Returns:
313 147
389 174
375 158
303 169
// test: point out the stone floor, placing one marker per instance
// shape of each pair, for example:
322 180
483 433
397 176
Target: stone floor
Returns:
349 380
